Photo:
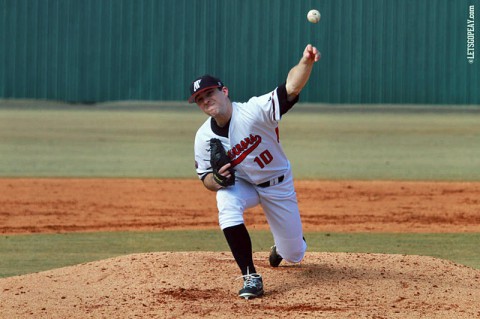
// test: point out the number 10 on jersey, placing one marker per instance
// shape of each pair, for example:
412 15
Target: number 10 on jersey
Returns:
263 159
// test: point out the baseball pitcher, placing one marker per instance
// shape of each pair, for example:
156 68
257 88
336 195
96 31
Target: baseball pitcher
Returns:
239 156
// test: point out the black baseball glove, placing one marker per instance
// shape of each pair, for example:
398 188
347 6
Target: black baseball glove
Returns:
219 158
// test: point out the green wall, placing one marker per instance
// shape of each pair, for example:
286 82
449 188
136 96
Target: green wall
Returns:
374 51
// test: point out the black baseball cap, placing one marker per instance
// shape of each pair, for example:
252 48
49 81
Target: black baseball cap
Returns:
201 84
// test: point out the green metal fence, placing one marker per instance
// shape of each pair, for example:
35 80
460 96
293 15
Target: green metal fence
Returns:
374 51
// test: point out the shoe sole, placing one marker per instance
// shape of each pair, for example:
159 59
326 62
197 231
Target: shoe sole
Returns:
250 295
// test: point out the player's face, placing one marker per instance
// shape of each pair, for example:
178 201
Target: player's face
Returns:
213 101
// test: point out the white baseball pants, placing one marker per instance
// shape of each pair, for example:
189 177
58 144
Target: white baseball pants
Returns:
279 202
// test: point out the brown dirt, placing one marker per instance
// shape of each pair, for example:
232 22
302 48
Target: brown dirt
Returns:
186 285
324 285
68 205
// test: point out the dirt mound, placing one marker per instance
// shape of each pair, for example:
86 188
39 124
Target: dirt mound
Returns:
192 285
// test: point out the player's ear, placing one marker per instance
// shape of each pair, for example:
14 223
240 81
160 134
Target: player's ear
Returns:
225 91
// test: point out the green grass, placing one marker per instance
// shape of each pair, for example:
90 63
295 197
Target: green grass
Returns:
98 143
22 254
383 146
159 143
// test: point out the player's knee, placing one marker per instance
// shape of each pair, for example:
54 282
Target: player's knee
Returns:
293 250
230 213
295 256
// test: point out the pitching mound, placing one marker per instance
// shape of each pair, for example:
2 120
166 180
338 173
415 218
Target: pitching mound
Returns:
192 285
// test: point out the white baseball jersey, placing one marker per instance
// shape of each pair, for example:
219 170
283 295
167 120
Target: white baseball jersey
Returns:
251 138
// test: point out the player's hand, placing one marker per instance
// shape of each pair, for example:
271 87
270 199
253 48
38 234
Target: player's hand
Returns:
311 54
224 170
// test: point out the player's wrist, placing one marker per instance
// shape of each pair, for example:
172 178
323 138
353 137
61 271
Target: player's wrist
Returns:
210 183
218 182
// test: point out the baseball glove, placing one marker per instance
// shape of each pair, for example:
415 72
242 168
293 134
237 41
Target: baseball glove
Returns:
219 158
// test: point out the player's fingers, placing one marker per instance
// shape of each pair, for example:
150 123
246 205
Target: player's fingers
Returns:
311 53
308 51
317 54
224 169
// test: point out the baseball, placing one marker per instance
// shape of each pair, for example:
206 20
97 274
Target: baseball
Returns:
313 16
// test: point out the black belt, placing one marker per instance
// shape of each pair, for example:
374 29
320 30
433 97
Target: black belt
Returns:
272 182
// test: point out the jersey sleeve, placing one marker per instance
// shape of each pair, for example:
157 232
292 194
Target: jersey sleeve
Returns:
274 104
202 153
202 159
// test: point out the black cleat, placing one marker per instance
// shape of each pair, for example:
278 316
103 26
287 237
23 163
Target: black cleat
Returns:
275 259
252 286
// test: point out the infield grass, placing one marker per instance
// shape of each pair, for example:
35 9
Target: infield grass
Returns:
22 254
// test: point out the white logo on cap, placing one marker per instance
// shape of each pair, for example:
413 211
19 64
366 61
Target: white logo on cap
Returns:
196 85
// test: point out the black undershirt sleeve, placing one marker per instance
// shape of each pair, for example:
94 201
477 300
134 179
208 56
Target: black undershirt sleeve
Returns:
285 104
